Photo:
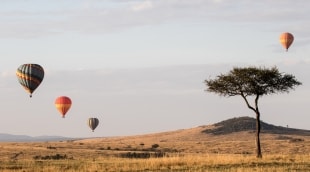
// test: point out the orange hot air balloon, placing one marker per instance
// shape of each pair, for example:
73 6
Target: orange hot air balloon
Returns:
286 39
63 104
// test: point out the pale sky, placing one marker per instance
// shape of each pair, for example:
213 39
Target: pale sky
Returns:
139 65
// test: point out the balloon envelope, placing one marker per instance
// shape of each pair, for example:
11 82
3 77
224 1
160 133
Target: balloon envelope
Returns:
286 39
92 123
30 76
63 104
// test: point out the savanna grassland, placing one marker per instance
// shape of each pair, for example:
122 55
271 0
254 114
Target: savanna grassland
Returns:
182 150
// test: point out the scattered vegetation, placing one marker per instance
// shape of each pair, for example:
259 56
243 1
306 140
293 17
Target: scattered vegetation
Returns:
50 147
51 157
142 155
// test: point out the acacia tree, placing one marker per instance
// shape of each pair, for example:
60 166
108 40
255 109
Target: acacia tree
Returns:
252 81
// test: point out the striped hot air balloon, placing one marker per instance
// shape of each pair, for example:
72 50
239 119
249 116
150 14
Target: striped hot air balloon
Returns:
92 123
30 76
63 104
286 39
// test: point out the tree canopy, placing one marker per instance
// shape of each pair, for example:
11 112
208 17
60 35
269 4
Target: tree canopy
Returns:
250 81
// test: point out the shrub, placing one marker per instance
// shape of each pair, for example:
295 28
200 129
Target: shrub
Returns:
154 146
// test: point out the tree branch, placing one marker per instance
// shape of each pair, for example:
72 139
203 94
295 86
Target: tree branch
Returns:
247 102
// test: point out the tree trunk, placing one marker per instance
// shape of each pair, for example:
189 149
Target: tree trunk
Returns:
258 149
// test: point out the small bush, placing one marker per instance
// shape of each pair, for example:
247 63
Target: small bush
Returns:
50 147
154 146
296 140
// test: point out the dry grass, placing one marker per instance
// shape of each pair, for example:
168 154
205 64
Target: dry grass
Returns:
184 150
176 162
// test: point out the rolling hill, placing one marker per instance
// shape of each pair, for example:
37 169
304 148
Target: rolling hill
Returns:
232 136
24 138
224 128
249 124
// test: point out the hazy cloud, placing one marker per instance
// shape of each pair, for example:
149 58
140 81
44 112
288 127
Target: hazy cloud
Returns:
107 16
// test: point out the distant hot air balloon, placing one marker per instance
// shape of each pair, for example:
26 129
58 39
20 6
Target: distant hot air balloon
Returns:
63 104
92 123
286 39
30 76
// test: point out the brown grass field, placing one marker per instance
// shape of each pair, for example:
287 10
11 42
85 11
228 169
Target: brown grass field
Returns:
182 150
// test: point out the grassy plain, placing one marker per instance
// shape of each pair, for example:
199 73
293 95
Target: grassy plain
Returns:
182 150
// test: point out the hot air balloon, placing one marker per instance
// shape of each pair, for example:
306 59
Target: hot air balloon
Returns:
30 76
63 104
286 39
92 123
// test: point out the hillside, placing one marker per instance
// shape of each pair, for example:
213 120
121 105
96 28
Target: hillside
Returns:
224 128
24 138
249 124
234 136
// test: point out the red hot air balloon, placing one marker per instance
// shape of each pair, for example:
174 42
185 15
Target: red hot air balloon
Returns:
63 104
286 39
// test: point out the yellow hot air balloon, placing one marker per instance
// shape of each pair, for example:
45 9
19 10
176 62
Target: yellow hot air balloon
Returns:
63 104
286 39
